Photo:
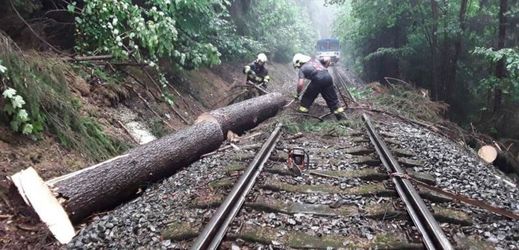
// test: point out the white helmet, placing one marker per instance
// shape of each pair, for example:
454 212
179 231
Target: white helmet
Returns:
300 59
262 58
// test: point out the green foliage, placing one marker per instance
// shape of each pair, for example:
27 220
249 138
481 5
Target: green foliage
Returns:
366 30
43 93
157 128
508 84
391 52
410 103
333 128
20 121
435 49
360 93
190 33
282 26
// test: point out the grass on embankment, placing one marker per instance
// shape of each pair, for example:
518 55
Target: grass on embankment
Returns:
43 82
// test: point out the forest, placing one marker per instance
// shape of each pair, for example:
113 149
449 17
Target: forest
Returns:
466 53
165 38
134 117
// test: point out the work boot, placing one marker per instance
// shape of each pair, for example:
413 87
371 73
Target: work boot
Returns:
302 109
339 114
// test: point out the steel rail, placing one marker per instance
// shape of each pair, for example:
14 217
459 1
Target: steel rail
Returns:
214 232
432 235
342 82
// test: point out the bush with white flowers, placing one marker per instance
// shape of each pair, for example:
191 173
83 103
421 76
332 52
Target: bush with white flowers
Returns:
184 31
20 120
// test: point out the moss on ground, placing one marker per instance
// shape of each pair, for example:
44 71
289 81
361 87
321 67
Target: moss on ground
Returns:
452 216
368 189
371 174
178 231
299 240
288 207
222 183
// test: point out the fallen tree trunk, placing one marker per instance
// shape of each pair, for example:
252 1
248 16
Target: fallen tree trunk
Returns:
245 115
107 184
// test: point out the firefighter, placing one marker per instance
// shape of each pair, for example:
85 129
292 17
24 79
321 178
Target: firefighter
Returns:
256 71
321 83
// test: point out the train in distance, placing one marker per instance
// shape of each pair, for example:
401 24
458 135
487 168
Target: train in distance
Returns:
328 47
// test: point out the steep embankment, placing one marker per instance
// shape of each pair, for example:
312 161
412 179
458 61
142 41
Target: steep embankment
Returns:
125 108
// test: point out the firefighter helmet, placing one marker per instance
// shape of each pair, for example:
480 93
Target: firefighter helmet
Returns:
262 58
300 59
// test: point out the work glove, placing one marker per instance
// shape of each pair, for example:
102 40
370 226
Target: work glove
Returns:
296 96
246 70
259 79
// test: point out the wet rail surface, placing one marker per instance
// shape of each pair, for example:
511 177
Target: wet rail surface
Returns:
429 231
214 232
345 198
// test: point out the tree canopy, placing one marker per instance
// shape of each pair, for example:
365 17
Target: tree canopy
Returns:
465 52
191 33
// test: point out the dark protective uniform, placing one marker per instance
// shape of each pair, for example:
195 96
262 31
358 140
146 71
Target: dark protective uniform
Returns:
321 83
260 75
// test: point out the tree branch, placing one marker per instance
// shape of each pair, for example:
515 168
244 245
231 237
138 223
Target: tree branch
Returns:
34 32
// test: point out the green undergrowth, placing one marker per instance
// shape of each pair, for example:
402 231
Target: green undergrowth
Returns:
410 103
157 128
360 93
327 127
43 84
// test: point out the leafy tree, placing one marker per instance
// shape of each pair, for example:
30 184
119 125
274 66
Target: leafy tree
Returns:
509 85
180 30
443 45
282 26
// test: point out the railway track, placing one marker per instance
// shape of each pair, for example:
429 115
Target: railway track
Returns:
432 235
210 238
353 194
341 84
215 231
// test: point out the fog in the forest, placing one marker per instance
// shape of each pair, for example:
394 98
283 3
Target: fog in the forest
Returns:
321 16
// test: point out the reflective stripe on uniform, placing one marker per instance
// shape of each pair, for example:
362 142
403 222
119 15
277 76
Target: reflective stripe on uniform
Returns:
303 109
338 110
246 69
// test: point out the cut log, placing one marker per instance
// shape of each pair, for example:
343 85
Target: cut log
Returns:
108 184
502 159
488 153
36 194
245 115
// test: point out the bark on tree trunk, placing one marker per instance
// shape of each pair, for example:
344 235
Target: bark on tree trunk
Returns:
458 45
109 183
434 46
444 54
112 182
247 114
500 67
